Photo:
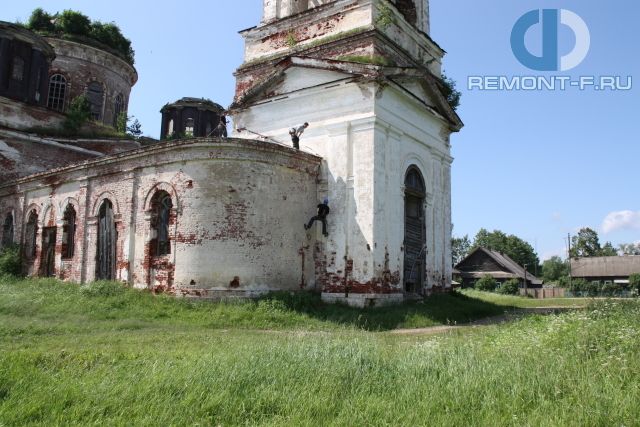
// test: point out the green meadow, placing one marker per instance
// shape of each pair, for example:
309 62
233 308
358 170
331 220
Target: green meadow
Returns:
105 355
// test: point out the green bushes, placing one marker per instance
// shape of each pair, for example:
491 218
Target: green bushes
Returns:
487 284
78 114
510 287
76 26
10 262
634 282
580 287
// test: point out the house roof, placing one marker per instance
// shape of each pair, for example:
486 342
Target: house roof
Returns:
513 269
608 266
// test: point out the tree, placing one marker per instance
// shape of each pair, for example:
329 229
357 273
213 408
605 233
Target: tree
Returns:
630 249
608 250
41 21
585 244
135 129
554 268
460 247
73 22
510 245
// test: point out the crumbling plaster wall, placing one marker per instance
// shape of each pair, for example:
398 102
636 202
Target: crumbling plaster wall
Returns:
368 136
337 20
236 223
19 115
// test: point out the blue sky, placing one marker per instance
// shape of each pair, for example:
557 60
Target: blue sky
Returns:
535 164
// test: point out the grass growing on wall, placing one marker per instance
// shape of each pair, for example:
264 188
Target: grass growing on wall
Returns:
82 357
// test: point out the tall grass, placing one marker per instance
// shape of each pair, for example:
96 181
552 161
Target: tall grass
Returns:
577 368
53 305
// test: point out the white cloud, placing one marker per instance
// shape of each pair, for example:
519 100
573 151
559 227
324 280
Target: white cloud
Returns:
621 220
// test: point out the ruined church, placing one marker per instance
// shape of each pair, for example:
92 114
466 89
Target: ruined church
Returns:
218 217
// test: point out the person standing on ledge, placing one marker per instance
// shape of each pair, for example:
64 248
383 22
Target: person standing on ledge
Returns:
323 211
296 132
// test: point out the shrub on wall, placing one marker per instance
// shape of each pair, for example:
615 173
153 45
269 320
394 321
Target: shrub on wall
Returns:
78 114
76 26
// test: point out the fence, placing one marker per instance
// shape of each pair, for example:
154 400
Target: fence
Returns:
542 293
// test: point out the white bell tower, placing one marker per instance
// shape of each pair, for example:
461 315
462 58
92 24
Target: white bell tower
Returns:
366 76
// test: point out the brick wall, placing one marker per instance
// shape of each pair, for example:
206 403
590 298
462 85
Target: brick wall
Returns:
235 227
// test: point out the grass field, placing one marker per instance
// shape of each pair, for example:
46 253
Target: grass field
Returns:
108 356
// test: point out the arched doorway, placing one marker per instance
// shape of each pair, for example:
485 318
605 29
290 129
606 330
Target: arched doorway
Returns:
415 242
107 238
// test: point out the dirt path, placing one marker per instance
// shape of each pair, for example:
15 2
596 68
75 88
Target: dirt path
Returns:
508 316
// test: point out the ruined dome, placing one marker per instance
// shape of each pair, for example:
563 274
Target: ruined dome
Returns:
200 103
191 117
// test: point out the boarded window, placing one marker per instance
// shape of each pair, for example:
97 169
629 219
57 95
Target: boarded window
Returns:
188 127
57 92
95 95
118 109
69 232
161 215
7 231
17 69
48 258
414 231
107 238
30 233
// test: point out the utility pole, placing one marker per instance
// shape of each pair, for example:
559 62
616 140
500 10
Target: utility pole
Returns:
569 257
525 281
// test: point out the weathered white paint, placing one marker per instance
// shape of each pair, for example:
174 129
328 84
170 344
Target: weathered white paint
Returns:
368 136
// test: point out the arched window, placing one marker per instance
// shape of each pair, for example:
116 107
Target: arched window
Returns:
68 232
30 233
107 239
160 217
118 109
188 127
57 92
413 182
170 129
414 231
408 9
7 231
17 69
95 96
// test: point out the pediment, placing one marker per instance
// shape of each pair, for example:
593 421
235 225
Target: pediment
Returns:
299 77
